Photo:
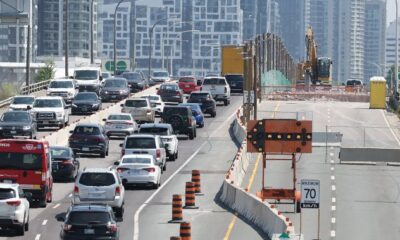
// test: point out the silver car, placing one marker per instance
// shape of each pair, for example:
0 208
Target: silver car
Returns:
140 109
157 103
120 124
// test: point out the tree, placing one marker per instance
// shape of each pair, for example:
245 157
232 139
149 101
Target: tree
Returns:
46 72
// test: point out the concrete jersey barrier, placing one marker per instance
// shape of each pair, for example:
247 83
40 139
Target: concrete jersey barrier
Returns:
268 219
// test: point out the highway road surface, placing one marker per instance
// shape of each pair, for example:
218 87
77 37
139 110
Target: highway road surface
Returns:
357 201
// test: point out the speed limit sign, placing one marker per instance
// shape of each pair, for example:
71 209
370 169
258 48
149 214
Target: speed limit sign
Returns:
309 193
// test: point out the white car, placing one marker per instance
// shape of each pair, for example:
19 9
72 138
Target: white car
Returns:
160 77
50 112
22 102
157 103
166 133
120 124
100 185
139 169
14 207
219 89
64 88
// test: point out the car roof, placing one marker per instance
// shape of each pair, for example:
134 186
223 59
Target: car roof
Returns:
90 206
98 170
189 104
214 77
9 185
137 99
114 78
60 147
170 83
91 93
61 80
49 98
201 92
177 106
142 135
24 96
152 125
124 114
87 125
87 68
137 156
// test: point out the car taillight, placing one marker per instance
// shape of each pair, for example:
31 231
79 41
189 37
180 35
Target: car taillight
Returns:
178 93
108 123
190 121
149 169
66 162
112 227
67 227
128 123
117 191
225 90
43 177
76 190
201 88
120 170
158 153
158 92
14 203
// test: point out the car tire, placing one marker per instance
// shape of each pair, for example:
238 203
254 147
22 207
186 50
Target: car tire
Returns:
176 155
225 102
20 229
191 135
103 154
119 212
213 114
171 157
26 225
164 168
201 125
195 132
50 199
42 203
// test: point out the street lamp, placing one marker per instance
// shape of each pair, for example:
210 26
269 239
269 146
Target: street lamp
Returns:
151 46
115 37
397 53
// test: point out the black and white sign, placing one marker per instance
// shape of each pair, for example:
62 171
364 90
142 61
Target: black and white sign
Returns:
246 96
309 193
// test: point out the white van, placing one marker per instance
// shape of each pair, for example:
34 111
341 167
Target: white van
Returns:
88 79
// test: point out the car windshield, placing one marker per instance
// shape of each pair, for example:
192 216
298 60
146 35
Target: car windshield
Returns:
175 110
86 74
115 83
105 75
97 179
152 98
86 96
60 153
20 161
23 100
89 217
129 160
61 84
120 117
132 76
138 142
136 103
15 117
168 87
234 78
6 193
87 130
214 81
194 107
47 103
160 74
187 80
155 130
199 95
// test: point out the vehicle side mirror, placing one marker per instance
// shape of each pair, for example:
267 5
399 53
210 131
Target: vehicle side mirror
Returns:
104 119
72 131
28 107
101 78
116 163
136 131
27 195
157 88
121 145
45 87
76 87
199 83
122 105
71 77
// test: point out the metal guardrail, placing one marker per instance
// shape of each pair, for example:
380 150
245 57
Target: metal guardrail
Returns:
26 90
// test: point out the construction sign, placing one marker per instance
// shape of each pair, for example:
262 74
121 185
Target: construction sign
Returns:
279 136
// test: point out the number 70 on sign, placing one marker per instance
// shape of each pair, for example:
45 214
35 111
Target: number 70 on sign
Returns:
310 192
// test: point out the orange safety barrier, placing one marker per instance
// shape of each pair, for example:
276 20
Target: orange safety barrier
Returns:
196 181
190 197
177 215
186 231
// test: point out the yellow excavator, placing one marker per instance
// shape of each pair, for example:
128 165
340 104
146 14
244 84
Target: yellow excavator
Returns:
316 70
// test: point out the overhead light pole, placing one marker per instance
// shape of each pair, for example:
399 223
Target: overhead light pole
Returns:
115 37
151 45
91 32
66 39
397 53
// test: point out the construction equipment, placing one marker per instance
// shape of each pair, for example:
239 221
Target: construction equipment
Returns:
314 70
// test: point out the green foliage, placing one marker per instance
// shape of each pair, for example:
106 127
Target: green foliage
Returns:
7 90
46 72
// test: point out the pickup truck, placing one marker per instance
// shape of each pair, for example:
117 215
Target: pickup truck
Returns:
219 89
64 88
50 112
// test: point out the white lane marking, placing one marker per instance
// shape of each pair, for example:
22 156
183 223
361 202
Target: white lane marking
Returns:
331 154
332 161
390 127
70 195
44 222
56 206
333 188
333 208
137 213
37 237
333 200
333 233
332 177
333 220
332 168
331 148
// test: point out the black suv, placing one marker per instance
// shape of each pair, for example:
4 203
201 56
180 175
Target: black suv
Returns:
207 103
89 138
89 221
235 82
17 123
181 120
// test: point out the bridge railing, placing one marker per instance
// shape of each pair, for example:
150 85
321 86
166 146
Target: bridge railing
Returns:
26 90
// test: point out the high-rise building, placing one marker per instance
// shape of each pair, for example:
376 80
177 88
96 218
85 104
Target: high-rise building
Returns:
51 27
15 18
390 51
350 62
292 32
374 38
250 15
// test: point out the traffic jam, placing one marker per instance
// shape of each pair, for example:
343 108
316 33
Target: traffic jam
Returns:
148 129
